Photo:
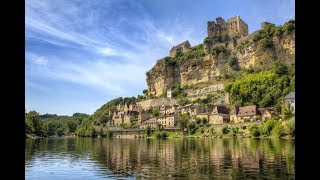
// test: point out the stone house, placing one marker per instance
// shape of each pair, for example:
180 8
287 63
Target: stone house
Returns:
224 31
152 122
144 115
234 113
180 48
168 120
196 109
185 109
219 115
248 114
267 113
290 101
129 116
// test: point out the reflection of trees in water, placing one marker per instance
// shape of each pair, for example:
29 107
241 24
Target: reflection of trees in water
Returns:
183 158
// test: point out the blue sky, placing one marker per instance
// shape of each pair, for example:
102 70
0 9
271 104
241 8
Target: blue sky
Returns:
81 54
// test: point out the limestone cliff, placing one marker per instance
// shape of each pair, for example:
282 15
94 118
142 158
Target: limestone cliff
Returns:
210 61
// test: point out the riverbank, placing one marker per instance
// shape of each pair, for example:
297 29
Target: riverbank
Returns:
32 136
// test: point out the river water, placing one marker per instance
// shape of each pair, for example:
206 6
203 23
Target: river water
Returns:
87 158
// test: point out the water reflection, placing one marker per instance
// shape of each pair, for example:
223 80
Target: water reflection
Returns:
154 159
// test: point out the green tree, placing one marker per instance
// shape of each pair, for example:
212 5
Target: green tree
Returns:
155 112
148 130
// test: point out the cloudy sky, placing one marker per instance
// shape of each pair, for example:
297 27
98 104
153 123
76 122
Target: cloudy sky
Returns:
81 54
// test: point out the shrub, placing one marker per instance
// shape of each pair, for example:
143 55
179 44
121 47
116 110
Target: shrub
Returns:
290 127
268 126
198 120
254 130
235 130
278 130
148 130
232 61
225 130
161 134
204 120
265 43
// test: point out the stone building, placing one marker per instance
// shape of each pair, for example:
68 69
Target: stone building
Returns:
168 120
267 113
290 101
144 115
246 114
219 115
180 48
152 122
224 31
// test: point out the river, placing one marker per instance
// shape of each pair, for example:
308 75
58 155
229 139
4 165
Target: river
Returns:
88 158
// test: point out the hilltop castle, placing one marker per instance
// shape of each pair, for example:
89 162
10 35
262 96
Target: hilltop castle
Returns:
224 31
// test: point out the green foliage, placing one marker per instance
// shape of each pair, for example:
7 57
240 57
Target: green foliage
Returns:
289 27
148 130
267 126
216 50
192 127
204 121
198 120
155 112
278 130
183 101
289 127
264 88
29 129
235 131
145 91
226 129
265 43
161 134
34 124
178 91
254 130
183 121
232 61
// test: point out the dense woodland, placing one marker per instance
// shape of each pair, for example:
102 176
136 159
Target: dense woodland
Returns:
51 124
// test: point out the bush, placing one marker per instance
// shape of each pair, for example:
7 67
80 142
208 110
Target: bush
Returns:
268 126
192 127
235 131
232 61
254 130
265 43
155 112
278 130
289 127
218 49
161 134
204 121
225 130
148 130
198 120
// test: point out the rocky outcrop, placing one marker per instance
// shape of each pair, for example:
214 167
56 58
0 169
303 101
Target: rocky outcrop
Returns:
210 66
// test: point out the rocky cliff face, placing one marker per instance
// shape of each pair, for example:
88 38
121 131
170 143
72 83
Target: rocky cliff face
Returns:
214 61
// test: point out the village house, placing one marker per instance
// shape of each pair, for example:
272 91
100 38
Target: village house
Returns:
196 109
144 115
152 122
290 101
168 120
249 114
180 48
267 113
219 115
